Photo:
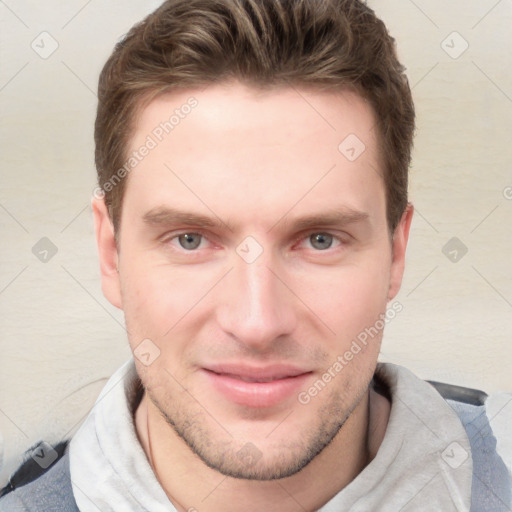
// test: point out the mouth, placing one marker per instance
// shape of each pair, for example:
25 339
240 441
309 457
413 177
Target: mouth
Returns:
251 379
256 387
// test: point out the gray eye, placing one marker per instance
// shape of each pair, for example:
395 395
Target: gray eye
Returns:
190 240
321 241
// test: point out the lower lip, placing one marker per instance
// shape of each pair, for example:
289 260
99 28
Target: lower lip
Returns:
257 394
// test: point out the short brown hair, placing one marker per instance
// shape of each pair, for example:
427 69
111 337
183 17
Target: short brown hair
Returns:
337 44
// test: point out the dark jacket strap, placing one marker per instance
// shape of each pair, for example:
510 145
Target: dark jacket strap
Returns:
51 491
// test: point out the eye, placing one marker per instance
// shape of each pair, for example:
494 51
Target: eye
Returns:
190 241
321 241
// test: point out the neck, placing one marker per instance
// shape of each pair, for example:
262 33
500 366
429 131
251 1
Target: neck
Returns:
191 485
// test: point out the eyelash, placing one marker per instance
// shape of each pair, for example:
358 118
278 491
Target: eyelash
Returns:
169 238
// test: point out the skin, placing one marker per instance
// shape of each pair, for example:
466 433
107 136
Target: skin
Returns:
255 162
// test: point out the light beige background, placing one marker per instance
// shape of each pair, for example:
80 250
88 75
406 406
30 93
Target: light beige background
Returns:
60 339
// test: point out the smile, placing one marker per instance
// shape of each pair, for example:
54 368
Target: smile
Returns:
256 388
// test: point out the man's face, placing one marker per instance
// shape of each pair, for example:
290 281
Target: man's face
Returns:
253 250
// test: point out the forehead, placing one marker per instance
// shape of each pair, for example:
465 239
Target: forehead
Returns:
255 151
234 105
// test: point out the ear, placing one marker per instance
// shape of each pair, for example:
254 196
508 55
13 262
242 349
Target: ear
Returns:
107 250
399 245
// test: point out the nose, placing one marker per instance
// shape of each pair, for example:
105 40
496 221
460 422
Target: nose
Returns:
256 308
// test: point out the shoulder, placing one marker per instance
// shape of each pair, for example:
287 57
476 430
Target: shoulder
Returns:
492 483
42 483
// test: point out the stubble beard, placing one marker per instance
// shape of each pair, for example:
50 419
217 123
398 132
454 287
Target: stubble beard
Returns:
243 459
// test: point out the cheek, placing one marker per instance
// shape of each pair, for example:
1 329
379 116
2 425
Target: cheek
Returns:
153 307
348 299
165 305
157 296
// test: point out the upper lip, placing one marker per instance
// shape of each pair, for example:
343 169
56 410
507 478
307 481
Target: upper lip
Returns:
257 373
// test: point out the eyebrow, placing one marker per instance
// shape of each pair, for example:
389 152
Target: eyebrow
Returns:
333 217
170 216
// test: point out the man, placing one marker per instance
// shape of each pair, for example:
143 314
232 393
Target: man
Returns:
252 222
